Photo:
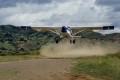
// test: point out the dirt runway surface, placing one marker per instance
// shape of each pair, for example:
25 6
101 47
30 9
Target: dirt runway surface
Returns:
40 69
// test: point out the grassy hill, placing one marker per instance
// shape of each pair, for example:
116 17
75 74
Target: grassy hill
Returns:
14 40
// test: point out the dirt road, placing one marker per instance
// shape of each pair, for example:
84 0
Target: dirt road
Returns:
40 69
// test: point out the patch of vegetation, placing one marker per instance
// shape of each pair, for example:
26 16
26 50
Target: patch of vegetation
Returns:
14 40
107 67
18 57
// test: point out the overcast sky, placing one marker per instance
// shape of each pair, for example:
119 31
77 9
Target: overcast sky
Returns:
61 12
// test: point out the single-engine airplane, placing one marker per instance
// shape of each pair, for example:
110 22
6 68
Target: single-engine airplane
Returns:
66 31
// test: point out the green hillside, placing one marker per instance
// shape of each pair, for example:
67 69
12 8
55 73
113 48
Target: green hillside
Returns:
14 40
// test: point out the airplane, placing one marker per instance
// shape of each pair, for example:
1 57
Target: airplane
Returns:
66 31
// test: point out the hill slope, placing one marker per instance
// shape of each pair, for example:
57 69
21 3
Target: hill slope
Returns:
15 40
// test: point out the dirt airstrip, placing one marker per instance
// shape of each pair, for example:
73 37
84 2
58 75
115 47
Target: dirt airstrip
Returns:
40 69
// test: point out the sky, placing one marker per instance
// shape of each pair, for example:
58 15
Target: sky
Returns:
61 12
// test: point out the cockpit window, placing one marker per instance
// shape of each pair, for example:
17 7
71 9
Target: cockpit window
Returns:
68 28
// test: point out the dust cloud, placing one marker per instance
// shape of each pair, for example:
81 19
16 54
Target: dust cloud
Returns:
67 50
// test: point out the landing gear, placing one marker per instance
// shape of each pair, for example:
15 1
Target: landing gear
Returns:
57 39
73 41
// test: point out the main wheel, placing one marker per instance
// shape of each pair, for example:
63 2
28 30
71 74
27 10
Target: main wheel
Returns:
74 41
56 41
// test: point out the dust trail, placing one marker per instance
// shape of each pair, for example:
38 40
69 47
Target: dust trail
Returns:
67 50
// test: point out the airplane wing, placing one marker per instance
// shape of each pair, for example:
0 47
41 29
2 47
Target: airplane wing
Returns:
43 28
77 30
92 28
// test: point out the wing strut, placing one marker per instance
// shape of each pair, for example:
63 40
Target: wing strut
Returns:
77 32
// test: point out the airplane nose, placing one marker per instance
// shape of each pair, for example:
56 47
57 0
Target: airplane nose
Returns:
64 29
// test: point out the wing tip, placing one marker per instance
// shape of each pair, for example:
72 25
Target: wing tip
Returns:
108 27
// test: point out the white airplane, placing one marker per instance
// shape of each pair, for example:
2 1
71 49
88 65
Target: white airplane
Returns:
66 31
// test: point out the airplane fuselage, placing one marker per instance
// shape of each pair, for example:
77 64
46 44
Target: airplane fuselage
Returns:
66 32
